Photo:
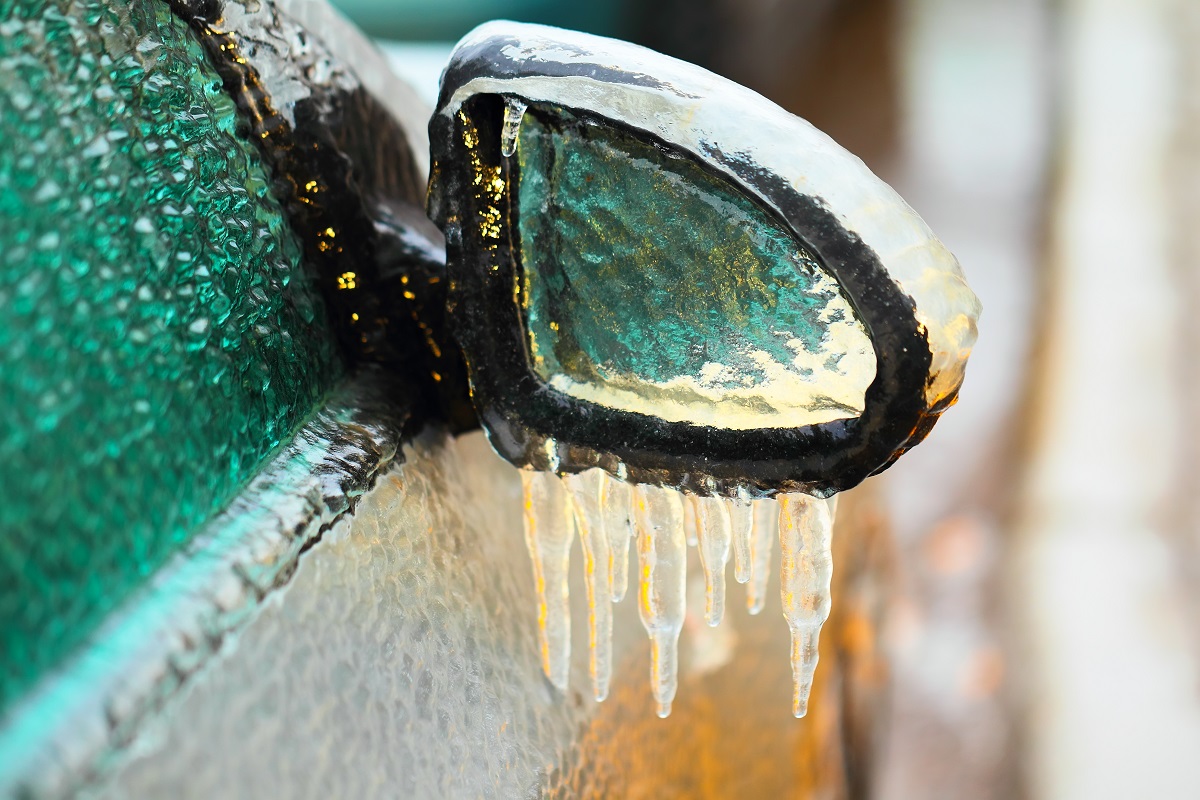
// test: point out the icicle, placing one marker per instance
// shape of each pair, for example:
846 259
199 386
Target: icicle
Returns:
691 526
514 112
617 509
662 556
712 519
549 528
587 493
762 540
741 520
805 572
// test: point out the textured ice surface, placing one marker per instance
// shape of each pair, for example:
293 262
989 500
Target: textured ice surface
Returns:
158 339
401 660
66 730
669 292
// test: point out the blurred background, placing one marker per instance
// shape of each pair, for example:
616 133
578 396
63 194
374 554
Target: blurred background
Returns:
1043 633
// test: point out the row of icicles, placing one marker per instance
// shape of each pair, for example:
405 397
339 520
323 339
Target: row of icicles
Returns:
608 513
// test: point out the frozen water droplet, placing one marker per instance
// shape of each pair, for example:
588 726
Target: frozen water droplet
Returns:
514 112
805 574
617 508
762 541
662 558
741 521
549 528
712 519
586 493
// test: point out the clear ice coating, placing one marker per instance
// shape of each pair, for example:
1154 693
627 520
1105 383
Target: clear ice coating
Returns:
587 494
662 561
762 539
691 528
741 521
805 573
161 333
715 534
514 112
607 512
549 528
617 509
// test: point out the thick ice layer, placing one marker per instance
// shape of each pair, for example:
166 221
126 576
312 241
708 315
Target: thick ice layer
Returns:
662 561
587 491
715 534
549 528
805 573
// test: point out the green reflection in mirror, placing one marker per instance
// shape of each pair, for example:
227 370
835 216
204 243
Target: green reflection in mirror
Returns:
652 286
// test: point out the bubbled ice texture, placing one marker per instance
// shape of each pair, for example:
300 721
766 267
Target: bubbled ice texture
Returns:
158 338
651 286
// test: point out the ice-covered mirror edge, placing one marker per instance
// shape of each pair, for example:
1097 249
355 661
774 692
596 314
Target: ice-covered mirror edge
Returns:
699 111
686 107
67 731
